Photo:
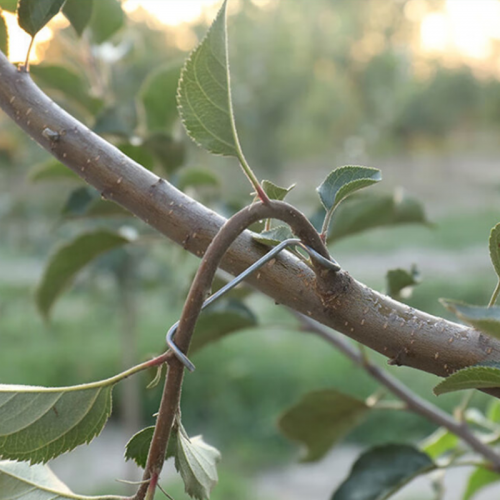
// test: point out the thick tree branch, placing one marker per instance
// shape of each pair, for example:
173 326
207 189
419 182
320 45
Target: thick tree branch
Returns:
407 336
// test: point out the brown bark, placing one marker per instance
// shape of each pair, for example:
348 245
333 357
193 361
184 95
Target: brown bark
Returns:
406 336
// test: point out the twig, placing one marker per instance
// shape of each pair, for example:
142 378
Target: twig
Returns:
414 403
199 289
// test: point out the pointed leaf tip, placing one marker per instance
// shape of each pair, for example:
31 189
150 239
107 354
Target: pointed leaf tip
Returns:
344 181
33 15
204 95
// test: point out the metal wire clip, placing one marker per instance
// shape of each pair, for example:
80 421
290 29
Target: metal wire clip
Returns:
329 264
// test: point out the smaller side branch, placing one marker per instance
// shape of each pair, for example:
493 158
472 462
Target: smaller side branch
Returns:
413 402
200 288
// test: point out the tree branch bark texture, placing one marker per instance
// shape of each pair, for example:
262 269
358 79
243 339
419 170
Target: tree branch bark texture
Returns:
406 336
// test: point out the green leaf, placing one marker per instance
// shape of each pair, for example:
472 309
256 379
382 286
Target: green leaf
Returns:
196 461
397 280
10 5
138 446
78 13
107 19
381 471
169 152
158 96
204 95
472 377
40 423
344 181
320 419
478 480
371 210
86 202
196 177
33 15
21 481
139 154
493 411
119 120
494 244
275 192
439 442
4 36
70 84
79 201
273 236
220 320
51 170
486 319
68 260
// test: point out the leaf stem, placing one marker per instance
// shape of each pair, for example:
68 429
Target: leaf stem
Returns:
27 61
494 296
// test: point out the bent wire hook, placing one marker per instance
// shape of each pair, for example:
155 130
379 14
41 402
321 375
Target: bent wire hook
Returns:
328 263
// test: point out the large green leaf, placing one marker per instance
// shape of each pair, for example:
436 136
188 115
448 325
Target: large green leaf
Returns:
33 15
158 97
196 461
340 184
473 377
204 94
382 471
479 479
70 84
78 13
68 260
486 319
439 442
370 210
21 481
320 419
220 320
4 36
40 423
399 281
51 170
107 19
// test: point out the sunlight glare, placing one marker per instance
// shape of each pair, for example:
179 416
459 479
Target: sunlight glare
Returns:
171 12
466 27
19 40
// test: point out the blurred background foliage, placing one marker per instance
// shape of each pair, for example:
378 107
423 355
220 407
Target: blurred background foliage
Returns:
410 87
